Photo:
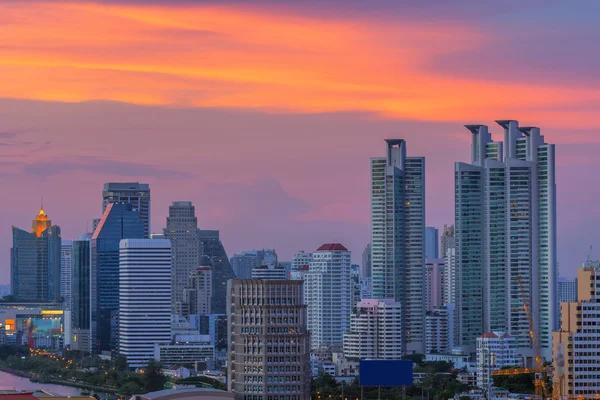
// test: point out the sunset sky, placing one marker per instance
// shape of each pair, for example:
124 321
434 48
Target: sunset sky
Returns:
265 114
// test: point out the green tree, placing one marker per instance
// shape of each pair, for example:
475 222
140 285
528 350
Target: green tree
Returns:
153 378
121 363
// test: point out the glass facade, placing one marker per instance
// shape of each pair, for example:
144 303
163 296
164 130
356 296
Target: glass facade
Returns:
80 280
212 253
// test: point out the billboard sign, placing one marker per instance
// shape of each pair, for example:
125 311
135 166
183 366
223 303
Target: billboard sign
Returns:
386 372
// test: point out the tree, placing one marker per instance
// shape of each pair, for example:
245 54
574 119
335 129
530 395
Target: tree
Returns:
153 378
121 363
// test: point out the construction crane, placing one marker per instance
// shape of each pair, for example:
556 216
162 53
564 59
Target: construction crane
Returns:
541 391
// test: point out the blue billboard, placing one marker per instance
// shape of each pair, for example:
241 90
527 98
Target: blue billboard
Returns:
386 372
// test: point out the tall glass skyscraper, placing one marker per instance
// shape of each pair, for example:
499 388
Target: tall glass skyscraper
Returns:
119 221
80 295
505 212
397 238
213 253
135 193
36 261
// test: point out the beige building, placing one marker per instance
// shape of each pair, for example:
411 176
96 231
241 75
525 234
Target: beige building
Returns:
269 344
576 346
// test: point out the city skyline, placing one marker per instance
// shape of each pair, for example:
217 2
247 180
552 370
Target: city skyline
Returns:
64 140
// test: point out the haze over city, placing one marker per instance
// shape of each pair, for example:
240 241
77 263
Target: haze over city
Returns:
266 116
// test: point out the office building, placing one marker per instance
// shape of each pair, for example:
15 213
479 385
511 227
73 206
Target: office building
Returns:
576 345
365 267
271 271
243 263
119 221
434 283
328 295
439 330
431 243
447 240
212 253
170 354
301 258
375 331
80 296
36 261
506 236
495 350
269 343
182 231
134 193
198 295
567 290
397 237
144 298
66 251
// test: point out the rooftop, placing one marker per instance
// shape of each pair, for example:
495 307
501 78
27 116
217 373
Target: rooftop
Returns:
332 247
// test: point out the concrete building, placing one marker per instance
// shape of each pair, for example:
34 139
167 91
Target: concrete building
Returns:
434 283
505 231
134 193
197 297
243 263
271 271
328 295
170 354
567 290
365 267
397 238
576 345
66 252
269 343
375 331
35 261
301 258
495 350
447 240
182 231
144 298
432 247
439 330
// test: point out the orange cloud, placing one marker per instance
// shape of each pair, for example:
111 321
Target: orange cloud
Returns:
207 56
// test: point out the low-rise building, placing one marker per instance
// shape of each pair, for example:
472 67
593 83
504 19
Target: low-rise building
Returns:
495 350
183 353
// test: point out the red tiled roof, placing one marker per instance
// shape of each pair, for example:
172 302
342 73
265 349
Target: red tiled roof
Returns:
332 247
489 335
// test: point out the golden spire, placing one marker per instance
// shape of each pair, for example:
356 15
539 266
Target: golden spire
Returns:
41 221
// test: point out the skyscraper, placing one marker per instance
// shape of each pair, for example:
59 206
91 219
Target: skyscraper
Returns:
431 243
182 230
447 240
271 271
36 261
269 343
213 253
300 259
567 290
66 251
365 268
80 280
243 263
134 193
434 283
198 294
144 298
397 237
505 212
328 295
119 221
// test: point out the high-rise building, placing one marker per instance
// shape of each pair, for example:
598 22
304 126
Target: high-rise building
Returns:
36 261
505 212
301 258
495 350
198 295
375 331
271 271
576 344
451 291
134 193
66 251
212 253
434 283
328 295
567 290
182 231
243 263
80 296
431 243
365 268
397 237
447 240
439 330
119 221
269 343
144 298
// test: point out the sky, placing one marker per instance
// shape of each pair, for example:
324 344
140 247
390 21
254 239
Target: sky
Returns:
265 113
